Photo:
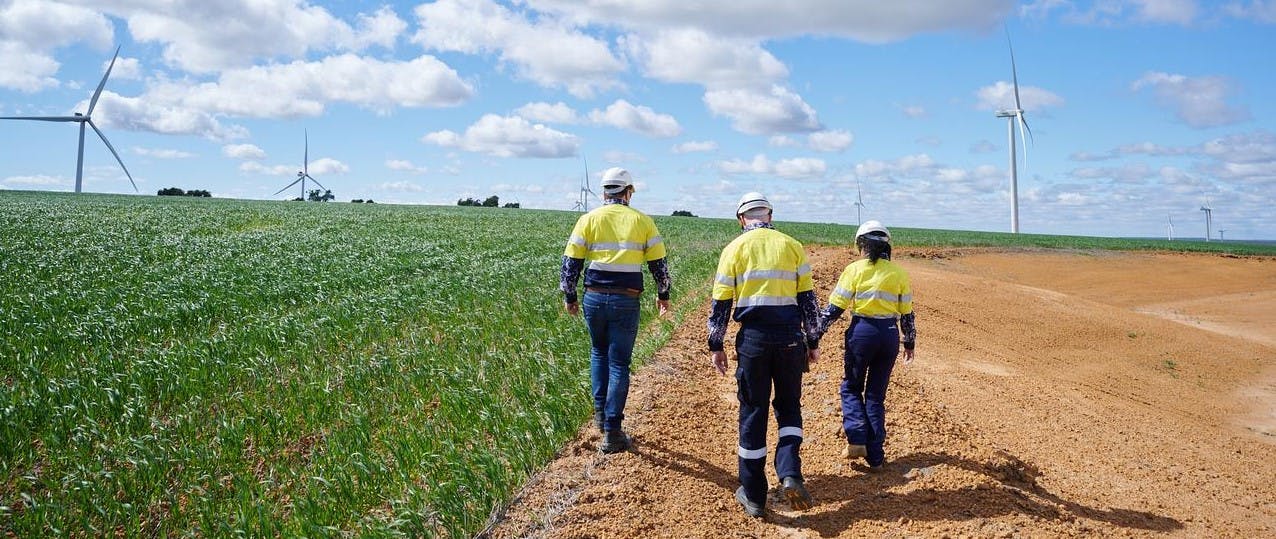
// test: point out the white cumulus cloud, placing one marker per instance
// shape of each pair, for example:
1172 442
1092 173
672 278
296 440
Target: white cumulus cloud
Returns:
402 165
760 165
694 146
243 151
161 153
558 113
624 115
1198 101
691 55
834 140
1001 96
546 51
508 136
775 111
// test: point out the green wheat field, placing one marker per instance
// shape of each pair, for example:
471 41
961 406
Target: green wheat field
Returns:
209 367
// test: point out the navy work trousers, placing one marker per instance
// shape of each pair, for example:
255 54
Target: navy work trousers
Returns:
769 358
871 347
612 320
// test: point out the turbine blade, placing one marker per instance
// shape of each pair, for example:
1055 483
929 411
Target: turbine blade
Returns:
1023 127
45 118
100 85
305 161
294 182
1014 73
117 156
312 178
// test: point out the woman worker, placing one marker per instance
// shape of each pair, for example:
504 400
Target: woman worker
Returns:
877 293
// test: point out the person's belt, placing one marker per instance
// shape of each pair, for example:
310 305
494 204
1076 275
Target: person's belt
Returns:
631 292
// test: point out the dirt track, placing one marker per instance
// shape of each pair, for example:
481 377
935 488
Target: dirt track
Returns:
1054 394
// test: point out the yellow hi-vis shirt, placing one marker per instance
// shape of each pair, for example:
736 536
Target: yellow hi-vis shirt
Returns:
762 271
616 240
873 290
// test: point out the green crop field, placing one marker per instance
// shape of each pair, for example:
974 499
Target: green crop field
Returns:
176 366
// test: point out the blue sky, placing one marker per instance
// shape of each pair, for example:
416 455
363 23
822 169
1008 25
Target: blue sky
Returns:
1141 110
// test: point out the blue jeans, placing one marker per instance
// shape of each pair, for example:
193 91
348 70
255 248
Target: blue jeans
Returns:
769 359
871 347
612 320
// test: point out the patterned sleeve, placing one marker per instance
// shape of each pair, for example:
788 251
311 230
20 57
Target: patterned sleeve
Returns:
718 320
568 275
810 306
660 272
830 314
908 326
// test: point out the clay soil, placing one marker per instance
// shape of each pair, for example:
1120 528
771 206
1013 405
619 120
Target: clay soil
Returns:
1054 394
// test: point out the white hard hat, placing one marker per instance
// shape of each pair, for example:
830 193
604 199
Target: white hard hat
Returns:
872 225
752 200
615 180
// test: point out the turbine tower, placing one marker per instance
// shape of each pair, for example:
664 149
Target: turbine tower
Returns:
1170 228
1209 218
1012 116
859 202
82 119
304 173
582 203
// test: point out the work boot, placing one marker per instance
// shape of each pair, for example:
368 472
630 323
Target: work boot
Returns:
854 451
750 508
598 421
614 441
796 493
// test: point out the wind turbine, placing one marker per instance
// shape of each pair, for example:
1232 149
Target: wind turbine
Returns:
859 202
86 118
1012 116
304 173
1171 227
582 203
1209 218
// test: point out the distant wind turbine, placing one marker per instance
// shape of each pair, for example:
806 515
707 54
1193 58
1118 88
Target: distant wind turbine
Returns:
304 173
1171 227
582 203
1209 218
86 118
859 202
1012 116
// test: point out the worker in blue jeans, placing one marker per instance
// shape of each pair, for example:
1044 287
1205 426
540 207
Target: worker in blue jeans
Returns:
764 274
879 295
616 240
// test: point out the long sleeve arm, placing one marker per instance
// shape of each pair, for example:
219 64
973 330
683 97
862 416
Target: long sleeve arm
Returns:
568 275
908 326
718 320
810 306
660 272
830 314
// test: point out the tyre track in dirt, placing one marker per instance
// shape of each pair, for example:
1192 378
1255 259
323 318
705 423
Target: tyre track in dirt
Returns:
1033 409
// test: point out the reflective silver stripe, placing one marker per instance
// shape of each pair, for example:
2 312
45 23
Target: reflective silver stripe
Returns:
620 268
791 431
577 240
804 269
616 246
761 301
877 294
843 293
725 280
768 274
750 454
906 298
654 241
877 316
